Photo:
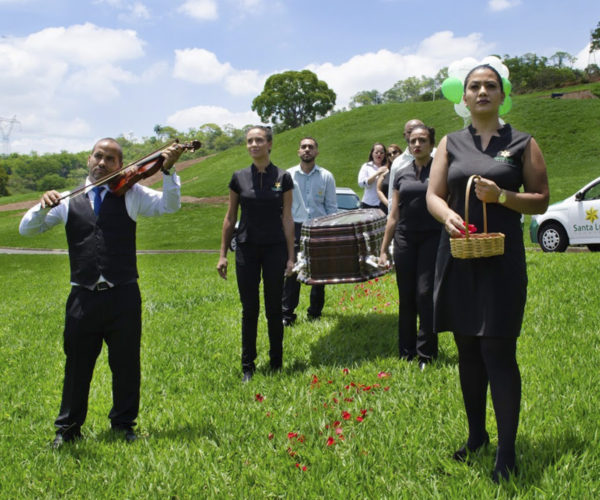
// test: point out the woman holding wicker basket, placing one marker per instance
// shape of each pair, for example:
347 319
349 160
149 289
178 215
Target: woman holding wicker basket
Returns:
480 296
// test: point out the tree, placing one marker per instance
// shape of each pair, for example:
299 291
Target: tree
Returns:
366 98
293 98
595 39
560 57
3 182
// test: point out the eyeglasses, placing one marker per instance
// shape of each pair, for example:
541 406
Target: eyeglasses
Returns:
394 153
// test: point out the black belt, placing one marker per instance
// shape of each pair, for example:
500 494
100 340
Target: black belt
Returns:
102 286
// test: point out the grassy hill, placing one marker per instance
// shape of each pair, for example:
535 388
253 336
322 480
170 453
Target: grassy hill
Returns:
568 131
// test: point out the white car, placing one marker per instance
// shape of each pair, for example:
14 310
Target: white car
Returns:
347 199
573 221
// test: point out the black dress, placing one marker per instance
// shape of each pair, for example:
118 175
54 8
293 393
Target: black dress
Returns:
483 296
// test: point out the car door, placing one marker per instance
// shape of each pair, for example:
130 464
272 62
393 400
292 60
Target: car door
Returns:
584 216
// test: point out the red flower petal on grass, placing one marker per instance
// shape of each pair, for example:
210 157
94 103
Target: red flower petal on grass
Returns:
339 431
304 468
270 436
363 412
292 435
335 400
291 452
330 441
315 379
345 371
259 398
359 419
301 439
383 374
386 388
346 415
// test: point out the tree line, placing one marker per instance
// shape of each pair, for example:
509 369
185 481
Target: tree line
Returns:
20 173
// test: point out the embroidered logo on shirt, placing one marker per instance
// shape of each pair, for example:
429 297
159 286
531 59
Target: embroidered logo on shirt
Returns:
504 157
277 186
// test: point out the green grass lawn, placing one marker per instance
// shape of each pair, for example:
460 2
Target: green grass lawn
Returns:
204 434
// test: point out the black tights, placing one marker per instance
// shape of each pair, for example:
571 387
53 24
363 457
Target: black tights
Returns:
481 359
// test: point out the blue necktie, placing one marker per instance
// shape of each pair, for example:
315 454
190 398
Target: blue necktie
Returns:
97 198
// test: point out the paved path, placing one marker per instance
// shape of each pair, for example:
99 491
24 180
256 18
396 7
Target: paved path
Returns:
50 251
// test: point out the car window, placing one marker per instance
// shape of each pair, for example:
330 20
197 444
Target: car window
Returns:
593 193
347 201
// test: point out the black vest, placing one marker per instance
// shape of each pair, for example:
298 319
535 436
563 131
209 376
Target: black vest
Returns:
101 245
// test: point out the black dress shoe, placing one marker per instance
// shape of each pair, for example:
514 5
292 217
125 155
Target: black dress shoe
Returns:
62 438
128 433
463 453
247 377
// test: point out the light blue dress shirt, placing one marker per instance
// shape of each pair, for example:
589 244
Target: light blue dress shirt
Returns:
317 189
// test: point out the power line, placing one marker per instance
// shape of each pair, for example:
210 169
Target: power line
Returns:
6 127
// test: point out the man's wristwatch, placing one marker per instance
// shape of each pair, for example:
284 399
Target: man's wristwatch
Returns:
502 197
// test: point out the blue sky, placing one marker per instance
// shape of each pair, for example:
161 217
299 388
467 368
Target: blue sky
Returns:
73 71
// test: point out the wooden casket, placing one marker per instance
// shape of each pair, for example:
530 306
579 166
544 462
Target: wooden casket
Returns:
341 248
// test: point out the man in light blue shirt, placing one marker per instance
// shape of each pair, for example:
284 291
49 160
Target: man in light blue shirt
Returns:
316 187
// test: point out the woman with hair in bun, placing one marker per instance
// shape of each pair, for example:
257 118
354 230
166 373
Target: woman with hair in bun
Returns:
482 300
265 244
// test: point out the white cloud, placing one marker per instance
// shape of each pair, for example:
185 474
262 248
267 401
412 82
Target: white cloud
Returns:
245 82
498 5
584 58
204 10
85 44
203 67
199 115
382 69
199 66
46 75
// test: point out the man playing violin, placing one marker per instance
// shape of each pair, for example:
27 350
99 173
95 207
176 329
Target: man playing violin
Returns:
104 303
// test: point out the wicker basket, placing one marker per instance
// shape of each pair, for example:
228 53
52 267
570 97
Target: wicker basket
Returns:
473 246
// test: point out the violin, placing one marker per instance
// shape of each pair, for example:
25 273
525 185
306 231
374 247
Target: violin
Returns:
121 180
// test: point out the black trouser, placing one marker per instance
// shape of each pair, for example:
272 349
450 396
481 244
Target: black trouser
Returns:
414 259
250 259
291 289
493 359
113 316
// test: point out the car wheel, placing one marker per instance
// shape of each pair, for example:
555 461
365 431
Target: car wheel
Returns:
553 238
594 247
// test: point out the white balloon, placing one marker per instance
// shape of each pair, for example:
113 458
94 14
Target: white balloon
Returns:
496 63
462 110
459 69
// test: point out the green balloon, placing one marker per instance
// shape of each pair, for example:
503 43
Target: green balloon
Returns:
452 89
506 86
506 105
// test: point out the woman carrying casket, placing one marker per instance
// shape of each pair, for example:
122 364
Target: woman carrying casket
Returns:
416 236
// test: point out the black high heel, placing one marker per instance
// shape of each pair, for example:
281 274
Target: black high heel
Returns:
462 453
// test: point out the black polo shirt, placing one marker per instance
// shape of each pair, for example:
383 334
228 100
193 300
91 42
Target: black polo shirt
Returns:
412 207
261 200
